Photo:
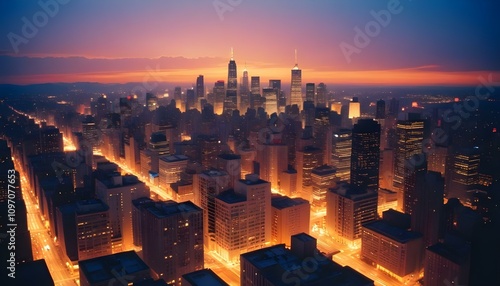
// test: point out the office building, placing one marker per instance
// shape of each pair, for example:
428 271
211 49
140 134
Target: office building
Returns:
323 178
206 187
289 217
392 248
172 239
279 266
117 192
243 218
341 153
170 169
347 208
231 99
365 156
296 85
354 108
306 160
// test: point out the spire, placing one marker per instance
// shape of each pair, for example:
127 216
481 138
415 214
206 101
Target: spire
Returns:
245 69
232 54
296 67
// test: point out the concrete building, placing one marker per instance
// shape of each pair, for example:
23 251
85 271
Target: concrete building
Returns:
172 239
117 192
170 169
279 266
204 277
243 218
289 217
393 249
323 178
347 209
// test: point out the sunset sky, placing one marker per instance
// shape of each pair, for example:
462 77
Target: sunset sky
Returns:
425 43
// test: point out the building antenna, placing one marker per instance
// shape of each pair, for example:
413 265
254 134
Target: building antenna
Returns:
232 53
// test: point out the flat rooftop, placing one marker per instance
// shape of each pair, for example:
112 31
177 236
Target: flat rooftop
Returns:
169 208
231 197
393 232
102 268
276 261
204 277
282 202
174 158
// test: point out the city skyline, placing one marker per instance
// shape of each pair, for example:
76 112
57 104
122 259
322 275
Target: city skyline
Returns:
366 43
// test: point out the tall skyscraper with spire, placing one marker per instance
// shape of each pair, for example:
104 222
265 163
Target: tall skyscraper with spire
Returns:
231 100
296 85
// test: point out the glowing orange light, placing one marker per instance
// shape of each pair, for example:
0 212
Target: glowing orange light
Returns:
457 99
414 104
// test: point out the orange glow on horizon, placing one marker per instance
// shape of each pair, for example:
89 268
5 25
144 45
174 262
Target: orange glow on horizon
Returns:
403 77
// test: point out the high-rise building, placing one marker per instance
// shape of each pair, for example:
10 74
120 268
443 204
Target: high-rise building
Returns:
323 178
271 102
170 169
321 96
410 135
354 108
84 230
394 249
306 160
255 85
117 192
424 203
231 163
272 159
244 92
231 99
276 85
341 153
380 112
288 183
172 239
365 157
462 174
296 85
289 217
190 99
447 263
206 187
322 132
200 91
348 208
310 92
151 102
219 93
243 218
277 265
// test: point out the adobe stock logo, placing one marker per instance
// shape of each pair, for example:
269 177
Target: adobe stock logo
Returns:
40 19
372 29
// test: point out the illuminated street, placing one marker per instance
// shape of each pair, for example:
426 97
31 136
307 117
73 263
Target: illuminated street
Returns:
42 243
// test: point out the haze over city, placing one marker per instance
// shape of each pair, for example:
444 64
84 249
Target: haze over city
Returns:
250 142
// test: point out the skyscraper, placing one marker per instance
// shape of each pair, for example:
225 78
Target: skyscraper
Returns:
244 92
310 92
296 85
271 103
200 90
354 108
365 157
341 153
219 99
231 99
380 109
410 135
321 96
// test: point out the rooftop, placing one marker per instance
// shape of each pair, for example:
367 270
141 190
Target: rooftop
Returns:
281 202
103 268
276 262
392 232
173 158
169 208
230 197
229 156
204 277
